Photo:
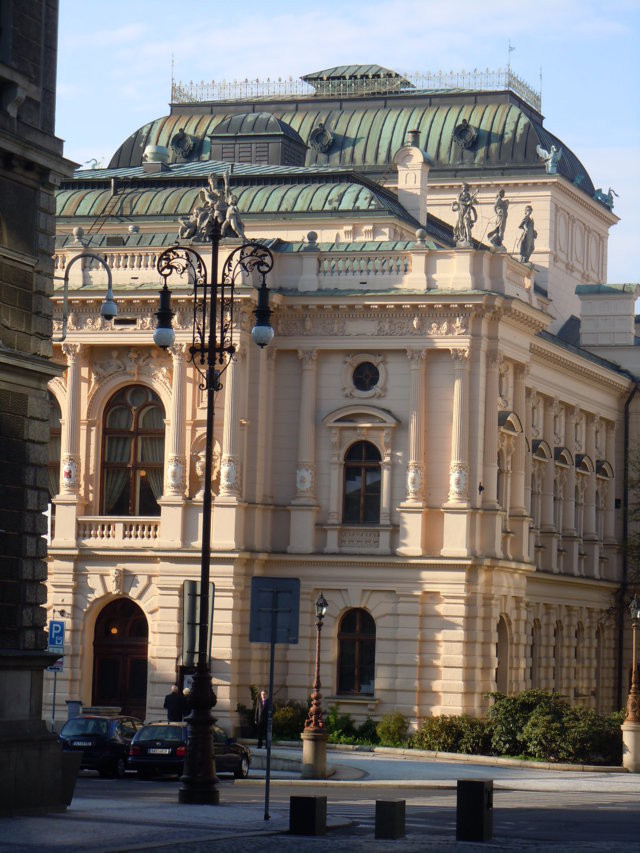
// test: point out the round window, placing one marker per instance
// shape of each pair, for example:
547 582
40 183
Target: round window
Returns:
366 376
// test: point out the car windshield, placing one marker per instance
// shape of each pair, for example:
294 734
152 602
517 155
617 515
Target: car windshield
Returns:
84 726
160 733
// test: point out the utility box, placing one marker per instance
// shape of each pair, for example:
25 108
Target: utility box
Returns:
474 815
308 815
390 818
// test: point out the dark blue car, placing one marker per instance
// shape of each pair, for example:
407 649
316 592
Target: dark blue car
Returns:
103 740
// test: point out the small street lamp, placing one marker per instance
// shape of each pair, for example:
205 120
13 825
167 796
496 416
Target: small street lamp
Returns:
212 348
314 736
633 701
108 309
631 725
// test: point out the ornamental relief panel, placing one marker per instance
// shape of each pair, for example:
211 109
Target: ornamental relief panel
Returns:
134 364
391 325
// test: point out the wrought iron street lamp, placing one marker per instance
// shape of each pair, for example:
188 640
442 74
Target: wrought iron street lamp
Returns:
314 721
633 701
108 309
212 347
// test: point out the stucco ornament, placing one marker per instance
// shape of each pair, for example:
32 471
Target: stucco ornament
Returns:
304 479
464 135
458 481
229 474
70 473
414 480
464 206
551 158
175 475
182 144
321 139
117 580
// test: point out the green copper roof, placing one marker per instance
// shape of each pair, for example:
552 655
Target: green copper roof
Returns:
275 200
597 289
367 134
259 124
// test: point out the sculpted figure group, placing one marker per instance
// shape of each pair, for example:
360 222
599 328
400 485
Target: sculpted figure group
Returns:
217 204
465 206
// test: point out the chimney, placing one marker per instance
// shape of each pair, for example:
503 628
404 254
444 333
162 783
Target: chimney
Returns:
413 177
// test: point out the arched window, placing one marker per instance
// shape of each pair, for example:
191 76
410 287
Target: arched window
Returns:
534 673
356 652
133 453
502 656
361 484
53 465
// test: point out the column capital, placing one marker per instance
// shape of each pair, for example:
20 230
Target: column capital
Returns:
460 356
179 351
307 357
416 357
73 352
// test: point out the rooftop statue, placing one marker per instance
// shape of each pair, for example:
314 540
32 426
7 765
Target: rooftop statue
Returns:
605 198
217 204
496 235
551 158
526 244
464 205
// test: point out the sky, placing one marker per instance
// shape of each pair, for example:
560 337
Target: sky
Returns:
115 67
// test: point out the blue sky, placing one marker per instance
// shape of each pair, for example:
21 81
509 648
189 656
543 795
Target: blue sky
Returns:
114 67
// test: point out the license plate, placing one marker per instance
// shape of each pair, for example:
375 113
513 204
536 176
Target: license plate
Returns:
81 743
158 751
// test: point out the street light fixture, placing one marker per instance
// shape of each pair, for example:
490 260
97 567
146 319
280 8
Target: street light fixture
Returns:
212 347
633 701
314 721
108 309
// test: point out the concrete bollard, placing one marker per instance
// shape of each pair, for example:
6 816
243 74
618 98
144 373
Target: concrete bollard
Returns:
390 818
474 814
307 815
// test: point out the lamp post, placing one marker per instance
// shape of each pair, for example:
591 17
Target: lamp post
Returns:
212 347
108 309
314 736
631 725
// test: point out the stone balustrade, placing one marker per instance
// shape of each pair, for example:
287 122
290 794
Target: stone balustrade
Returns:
113 532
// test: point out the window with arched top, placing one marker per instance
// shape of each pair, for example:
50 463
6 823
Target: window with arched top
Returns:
356 652
55 429
362 477
133 453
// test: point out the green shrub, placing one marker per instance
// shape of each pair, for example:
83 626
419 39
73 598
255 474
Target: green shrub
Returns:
340 727
393 729
476 736
509 716
440 734
288 720
367 732
592 738
543 736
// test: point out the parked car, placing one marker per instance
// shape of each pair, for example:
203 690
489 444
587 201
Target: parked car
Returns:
160 748
103 740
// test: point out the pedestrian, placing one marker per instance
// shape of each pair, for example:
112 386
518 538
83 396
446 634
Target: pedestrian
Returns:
174 705
186 701
261 718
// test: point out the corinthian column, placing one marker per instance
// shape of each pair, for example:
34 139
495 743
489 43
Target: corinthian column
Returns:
459 467
490 461
176 462
230 464
415 465
70 468
306 469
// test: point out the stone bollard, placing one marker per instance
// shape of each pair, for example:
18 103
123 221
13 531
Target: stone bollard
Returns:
390 819
307 815
631 746
474 815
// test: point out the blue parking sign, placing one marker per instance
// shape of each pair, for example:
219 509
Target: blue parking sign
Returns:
56 636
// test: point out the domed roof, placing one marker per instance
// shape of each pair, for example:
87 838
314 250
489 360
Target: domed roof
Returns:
254 124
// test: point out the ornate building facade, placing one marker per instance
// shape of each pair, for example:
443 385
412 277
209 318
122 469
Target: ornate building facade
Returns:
428 441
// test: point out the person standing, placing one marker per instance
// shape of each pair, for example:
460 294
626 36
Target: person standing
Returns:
174 705
261 718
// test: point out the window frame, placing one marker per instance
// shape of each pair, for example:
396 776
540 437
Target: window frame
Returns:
364 466
359 637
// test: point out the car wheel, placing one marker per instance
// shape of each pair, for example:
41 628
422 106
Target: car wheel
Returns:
243 771
120 768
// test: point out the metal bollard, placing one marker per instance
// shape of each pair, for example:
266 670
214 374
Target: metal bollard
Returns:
474 815
390 818
307 815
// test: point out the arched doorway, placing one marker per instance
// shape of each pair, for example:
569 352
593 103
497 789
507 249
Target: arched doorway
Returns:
120 658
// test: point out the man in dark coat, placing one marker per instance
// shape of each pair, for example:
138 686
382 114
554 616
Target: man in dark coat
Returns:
261 718
174 704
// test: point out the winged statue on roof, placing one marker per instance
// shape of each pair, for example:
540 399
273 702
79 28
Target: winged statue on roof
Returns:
551 158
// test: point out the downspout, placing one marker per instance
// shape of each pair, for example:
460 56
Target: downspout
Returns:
625 534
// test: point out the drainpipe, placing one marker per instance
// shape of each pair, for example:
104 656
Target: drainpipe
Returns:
625 534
